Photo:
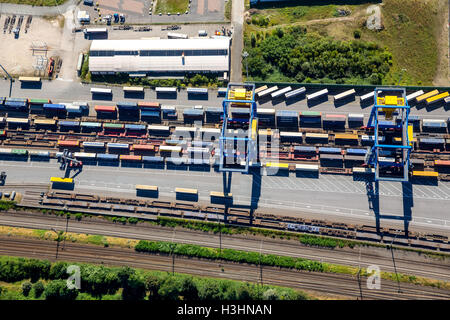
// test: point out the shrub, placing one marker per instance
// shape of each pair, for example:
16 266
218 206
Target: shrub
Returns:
26 288
357 34
58 290
38 289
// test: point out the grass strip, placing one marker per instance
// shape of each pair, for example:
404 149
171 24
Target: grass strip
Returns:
239 256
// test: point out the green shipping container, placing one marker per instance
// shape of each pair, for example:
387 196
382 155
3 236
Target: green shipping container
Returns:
310 114
39 101
113 125
19 152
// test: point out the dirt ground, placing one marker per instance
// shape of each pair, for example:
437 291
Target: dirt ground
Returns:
16 54
442 73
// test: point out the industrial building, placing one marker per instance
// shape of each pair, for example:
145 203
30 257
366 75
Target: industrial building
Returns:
159 57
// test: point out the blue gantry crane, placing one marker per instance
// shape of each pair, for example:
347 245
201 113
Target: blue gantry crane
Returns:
238 139
392 140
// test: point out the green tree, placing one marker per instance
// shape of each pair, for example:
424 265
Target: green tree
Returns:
124 274
38 289
270 294
188 289
169 289
58 270
357 34
152 285
26 288
209 290
58 290
253 40
134 289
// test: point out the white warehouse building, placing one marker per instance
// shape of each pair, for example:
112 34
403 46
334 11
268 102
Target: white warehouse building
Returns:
160 56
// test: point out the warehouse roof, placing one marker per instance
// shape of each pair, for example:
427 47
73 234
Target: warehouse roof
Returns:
161 44
137 63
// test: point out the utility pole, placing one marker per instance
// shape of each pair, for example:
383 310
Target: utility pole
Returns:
393 260
67 227
245 55
359 274
401 75
10 78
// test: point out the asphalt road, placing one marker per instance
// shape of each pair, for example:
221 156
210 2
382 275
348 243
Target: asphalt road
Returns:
61 90
325 283
335 196
237 21
406 262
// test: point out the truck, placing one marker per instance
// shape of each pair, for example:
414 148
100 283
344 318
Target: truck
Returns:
2 177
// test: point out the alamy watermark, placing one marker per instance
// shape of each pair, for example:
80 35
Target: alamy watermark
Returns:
74 280
374 278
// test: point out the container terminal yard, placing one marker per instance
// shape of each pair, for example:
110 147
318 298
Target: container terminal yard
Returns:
311 169
161 151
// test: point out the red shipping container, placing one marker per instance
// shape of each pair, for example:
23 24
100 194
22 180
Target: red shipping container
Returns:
143 147
105 108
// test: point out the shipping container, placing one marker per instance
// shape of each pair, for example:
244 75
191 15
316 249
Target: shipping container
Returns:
437 98
143 147
118 145
135 127
113 126
435 141
101 90
329 150
434 123
367 96
92 144
17 120
84 155
165 89
65 123
38 101
304 149
346 136
44 122
280 92
425 174
266 92
156 128
176 149
427 95
151 114
105 108
357 151
146 188
68 143
107 157
344 95
123 105
414 95
317 94
295 93
307 167
91 124
133 89
197 90
186 190
152 159
130 158
149 105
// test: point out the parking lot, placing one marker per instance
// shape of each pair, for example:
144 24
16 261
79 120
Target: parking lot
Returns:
138 11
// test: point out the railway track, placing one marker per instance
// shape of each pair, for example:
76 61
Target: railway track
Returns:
334 284
407 263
